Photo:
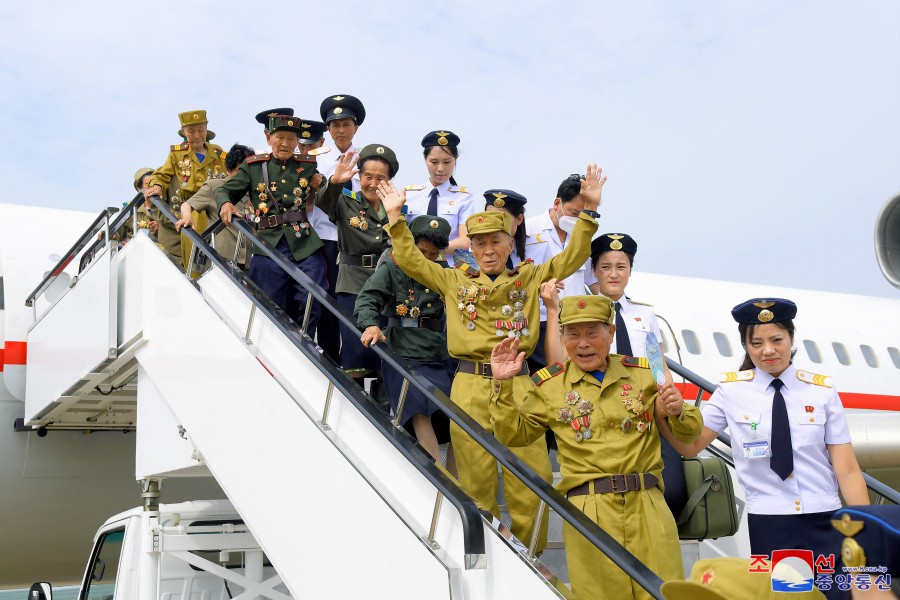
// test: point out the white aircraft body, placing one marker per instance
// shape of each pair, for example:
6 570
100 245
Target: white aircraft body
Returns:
56 489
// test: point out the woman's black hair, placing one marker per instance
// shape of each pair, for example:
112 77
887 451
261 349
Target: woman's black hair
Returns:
440 241
451 150
520 230
237 155
746 331
391 170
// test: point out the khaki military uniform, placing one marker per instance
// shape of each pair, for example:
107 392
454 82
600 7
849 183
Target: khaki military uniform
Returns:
203 203
507 305
180 177
618 413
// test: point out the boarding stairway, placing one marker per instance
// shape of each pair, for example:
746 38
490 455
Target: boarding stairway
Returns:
340 498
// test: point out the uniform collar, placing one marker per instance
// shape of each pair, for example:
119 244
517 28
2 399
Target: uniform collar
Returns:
442 189
614 372
789 378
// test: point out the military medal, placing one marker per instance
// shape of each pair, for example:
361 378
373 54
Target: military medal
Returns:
572 397
506 310
414 312
402 310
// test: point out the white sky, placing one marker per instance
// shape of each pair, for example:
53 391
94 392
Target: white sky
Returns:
745 141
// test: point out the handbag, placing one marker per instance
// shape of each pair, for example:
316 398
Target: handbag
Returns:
711 511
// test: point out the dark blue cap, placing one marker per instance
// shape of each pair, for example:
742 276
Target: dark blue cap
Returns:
311 131
263 117
613 241
507 199
442 137
758 311
342 106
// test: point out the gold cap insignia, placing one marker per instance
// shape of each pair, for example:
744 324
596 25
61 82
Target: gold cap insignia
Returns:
305 125
766 315
852 553
499 201
433 224
442 141
442 137
290 123
616 245
763 304
337 98
306 134
272 114
338 110
196 116
379 150
848 526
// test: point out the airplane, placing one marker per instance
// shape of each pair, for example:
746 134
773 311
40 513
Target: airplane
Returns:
57 486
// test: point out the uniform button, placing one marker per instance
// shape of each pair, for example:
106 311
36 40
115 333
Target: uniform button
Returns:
283 181
791 476
797 502
377 237
285 196
797 508
283 167
612 424
811 419
428 305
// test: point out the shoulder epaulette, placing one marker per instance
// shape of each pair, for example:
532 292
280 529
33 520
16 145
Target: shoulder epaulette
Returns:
468 269
548 372
807 377
641 303
636 361
350 194
300 158
736 376
415 187
527 261
319 151
458 188
531 240
177 147
258 158
222 153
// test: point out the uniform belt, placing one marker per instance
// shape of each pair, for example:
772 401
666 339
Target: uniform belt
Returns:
483 369
615 484
271 221
367 261
424 322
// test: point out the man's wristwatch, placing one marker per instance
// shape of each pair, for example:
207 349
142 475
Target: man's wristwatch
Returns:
591 213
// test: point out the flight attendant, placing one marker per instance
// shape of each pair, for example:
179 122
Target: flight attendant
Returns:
442 197
789 436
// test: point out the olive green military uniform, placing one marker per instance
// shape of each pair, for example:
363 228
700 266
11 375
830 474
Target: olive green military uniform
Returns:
203 202
287 193
479 312
392 293
180 177
127 231
360 234
730 578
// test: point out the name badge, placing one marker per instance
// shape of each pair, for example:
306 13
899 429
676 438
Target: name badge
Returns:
756 447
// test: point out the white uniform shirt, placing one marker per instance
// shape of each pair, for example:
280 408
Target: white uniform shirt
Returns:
816 419
454 203
541 244
640 320
325 164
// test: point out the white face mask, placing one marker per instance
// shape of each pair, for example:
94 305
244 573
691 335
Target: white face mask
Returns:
567 223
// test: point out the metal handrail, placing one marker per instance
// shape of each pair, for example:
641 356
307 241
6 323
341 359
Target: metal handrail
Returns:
629 563
85 239
473 532
872 483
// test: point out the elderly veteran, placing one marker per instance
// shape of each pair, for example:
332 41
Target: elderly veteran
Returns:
187 167
203 203
484 305
601 408
729 579
416 330
359 217
279 184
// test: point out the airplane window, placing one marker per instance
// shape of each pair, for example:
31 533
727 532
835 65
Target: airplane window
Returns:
841 353
722 344
895 356
812 350
691 341
869 354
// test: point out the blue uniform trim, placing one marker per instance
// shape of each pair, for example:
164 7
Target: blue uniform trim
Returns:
868 517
